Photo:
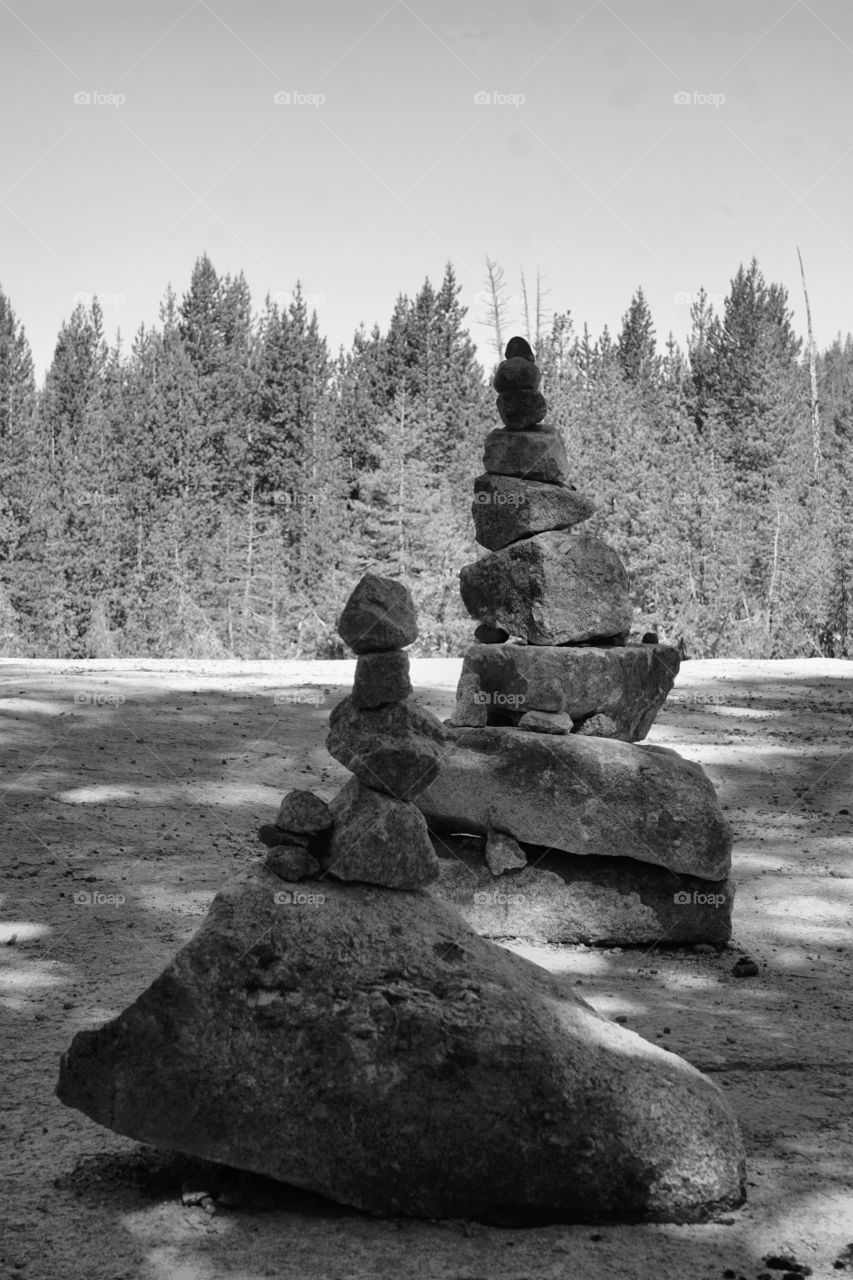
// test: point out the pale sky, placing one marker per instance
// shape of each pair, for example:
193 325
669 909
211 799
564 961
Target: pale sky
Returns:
383 165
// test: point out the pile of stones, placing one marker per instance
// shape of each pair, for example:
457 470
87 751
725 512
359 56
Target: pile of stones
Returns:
335 1026
598 840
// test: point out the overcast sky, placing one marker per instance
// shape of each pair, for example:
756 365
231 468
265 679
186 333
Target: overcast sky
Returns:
578 159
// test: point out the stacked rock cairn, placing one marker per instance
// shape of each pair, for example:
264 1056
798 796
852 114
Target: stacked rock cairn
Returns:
371 831
601 841
362 1041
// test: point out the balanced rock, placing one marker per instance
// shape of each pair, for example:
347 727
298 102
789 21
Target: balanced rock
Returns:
381 678
380 614
519 410
471 704
530 455
302 811
506 508
545 722
291 862
519 347
552 589
272 835
598 726
583 796
393 748
503 853
484 634
379 840
517 374
373 1049
570 899
628 683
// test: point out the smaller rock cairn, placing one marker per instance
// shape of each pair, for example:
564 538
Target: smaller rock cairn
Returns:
372 831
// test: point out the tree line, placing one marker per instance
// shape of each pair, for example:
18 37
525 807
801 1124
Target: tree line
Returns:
216 489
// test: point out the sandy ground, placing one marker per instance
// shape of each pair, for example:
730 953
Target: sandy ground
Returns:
131 791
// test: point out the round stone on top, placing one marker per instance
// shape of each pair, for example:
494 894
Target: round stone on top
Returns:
379 615
519 347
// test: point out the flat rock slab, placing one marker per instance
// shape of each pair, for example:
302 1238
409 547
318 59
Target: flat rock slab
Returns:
628 683
506 508
367 1045
551 589
563 898
532 455
581 795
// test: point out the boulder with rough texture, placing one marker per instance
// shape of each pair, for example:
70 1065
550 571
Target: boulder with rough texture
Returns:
519 410
581 795
381 678
598 726
503 853
378 840
367 1045
393 748
530 455
517 374
303 812
628 683
471 708
380 614
563 898
291 862
552 589
506 508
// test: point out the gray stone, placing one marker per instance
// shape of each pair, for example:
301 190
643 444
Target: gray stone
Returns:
581 795
552 589
485 634
506 508
380 614
393 748
517 374
519 347
381 678
519 410
378 840
503 853
272 835
530 455
302 811
598 726
628 683
471 708
291 862
367 1045
565 898
546 722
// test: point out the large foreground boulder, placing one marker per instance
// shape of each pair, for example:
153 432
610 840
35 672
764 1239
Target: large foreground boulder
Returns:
628 683
563 898
366 1044
551 589
581 795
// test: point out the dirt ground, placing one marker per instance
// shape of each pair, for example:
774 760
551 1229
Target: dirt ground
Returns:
131 791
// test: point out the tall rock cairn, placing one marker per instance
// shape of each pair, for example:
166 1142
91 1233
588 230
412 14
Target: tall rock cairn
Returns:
546 586
371 831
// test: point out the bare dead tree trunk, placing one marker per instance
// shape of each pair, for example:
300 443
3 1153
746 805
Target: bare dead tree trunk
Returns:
816 454
497 305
